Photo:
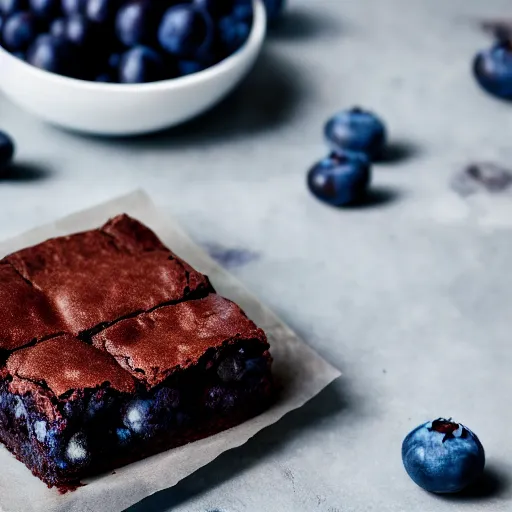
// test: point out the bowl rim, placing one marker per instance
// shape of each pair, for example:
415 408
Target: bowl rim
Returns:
254 41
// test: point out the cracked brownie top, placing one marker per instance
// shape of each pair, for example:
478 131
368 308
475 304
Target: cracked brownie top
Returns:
80 282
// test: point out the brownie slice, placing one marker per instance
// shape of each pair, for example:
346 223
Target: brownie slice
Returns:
112 348
99 276
152 346
56 399
26 315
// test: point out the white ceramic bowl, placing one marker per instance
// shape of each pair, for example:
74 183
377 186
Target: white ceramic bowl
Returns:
127 109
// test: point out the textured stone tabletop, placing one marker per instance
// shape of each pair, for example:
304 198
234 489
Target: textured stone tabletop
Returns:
409 296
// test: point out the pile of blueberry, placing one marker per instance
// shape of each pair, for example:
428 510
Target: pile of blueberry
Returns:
126 41
356 138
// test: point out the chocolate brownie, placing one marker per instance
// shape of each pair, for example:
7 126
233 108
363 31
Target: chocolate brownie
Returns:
113 349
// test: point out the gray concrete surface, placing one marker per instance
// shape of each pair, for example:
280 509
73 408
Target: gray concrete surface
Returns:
410 296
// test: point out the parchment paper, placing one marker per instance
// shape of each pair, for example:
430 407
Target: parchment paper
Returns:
300 371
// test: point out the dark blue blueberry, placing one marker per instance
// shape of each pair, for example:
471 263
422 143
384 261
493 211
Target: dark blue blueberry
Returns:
231 369
45 8
274 9
166 398
58 27
141 64
70 7
106 78
54 54
185 31
20 55
189 67
216 8
19 31
341 178
114 60
493 70
137 22
233 33
124 436
77 450
1 24
243 10
221 398
82 32
8 7
356 130
102 11
442 456
6 149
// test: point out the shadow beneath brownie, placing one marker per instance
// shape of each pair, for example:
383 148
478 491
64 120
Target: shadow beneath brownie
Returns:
328 403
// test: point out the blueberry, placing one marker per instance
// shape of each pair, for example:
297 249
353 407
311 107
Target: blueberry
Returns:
216 8
220 398
8 7
442 456
141 64
243 10
45 8
493 70
189 67
19 31
231 369
185 31
356 130
124 436
40 430
53 54
105 77
6 149
82 32
233 33
137 22
341 178
166 398
114 60
58 27
274 9
102 11
70 7
138 417
77 451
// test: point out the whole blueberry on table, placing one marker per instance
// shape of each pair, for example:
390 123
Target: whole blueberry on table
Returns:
141 64
493 70
54 54
6 149
19 31
340 179
185 30
442 456
356 130
137 22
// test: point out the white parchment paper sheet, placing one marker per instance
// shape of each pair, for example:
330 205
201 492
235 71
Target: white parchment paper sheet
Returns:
300 371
